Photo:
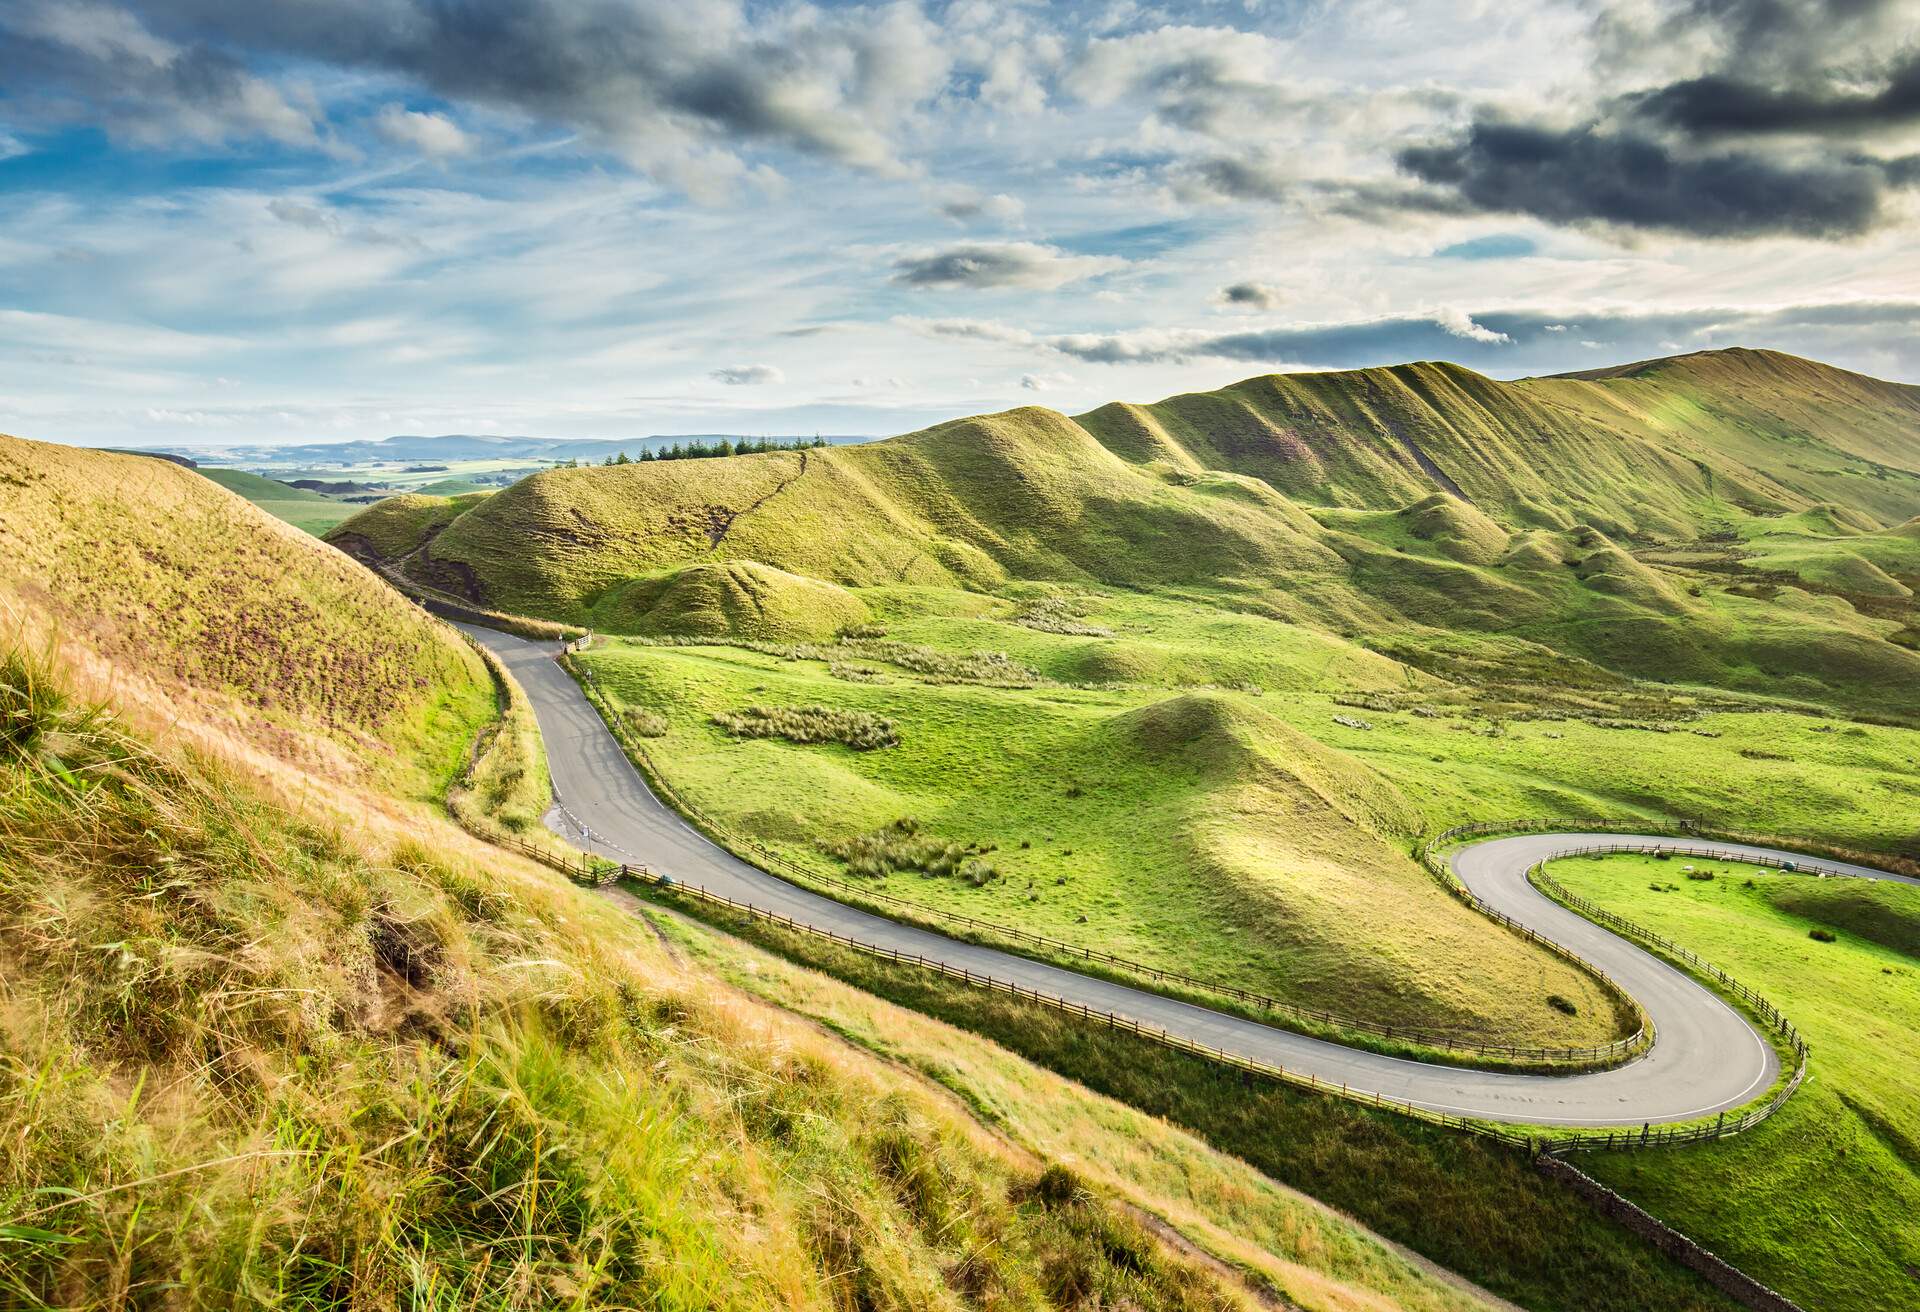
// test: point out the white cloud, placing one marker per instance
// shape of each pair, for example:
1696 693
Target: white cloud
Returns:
1457 323
1045 382
433 135
302 215
969 205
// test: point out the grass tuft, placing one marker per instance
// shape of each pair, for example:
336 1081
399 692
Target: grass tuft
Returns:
860 730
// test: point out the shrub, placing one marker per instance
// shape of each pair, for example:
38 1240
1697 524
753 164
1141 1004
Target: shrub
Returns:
901 846
1822 935
1562 1005
855 673
1700 875
1057 1187
1060 615
646 723
990 667
860 730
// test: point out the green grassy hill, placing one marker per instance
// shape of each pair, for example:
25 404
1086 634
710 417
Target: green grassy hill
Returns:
212 612
333 1074
1834 1187
1365 503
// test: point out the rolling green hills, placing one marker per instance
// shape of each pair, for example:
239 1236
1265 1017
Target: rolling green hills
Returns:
1372 604
1309 498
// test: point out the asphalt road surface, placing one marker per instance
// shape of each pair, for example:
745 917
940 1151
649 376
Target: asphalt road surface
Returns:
1706 1057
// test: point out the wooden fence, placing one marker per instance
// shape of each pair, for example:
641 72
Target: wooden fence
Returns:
1722 1128
603 872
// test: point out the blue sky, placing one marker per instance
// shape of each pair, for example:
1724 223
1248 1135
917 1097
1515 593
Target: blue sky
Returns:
228 223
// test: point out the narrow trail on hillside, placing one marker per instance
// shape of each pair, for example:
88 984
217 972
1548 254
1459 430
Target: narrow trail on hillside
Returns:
1432 470
1707 1057
725 526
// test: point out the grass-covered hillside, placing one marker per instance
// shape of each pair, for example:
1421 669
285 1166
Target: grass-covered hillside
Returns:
274 1032
1252 828
336 1053
1370 503
210 613
244 1059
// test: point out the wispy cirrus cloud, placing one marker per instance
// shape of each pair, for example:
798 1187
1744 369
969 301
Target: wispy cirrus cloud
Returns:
748 375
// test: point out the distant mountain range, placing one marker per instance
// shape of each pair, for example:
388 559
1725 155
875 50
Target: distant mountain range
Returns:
463 446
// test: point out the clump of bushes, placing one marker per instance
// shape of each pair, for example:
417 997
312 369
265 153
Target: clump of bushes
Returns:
1822 935
901 846
1060 615
646 723
935 666
1700 875
855 673
1562 1005
861 730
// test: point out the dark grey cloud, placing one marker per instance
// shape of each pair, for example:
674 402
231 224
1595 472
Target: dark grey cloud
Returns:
998 264
1251 295
1590 175
1239 177
1725 152
102 65
1773 42
658 82
1719 104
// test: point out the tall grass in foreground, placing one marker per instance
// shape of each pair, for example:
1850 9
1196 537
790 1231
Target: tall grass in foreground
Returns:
243 1063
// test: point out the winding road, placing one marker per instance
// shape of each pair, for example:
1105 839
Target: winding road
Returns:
1706 1057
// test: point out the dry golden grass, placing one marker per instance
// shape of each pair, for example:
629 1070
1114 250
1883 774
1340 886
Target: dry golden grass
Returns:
1310 1254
